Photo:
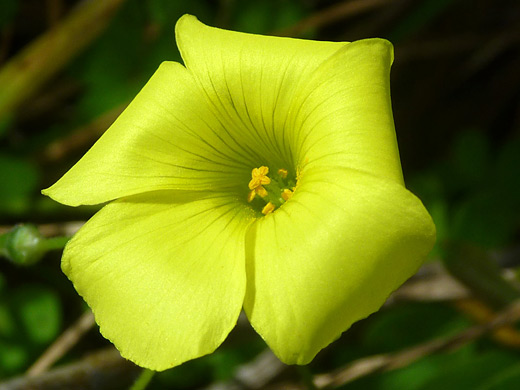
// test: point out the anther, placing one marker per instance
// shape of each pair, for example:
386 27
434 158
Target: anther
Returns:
275 193
268 208
282 173
259 177
261 191
287 194
251 196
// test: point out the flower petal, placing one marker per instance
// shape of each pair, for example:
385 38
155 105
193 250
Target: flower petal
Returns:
165 139
330 256
165 279
250 80
343 116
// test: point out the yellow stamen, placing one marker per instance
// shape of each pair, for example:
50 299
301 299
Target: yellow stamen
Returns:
268 208
251 196
259 177
262 171
261 191
282 173
287 194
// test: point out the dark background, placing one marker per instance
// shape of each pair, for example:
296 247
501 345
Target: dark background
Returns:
456 99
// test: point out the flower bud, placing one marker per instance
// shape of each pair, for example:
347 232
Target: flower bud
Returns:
22 245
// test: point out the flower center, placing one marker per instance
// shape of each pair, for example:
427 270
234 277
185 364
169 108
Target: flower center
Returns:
267 193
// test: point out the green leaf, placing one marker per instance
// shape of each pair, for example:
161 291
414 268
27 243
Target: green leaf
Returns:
469 373
18 180
108 68
5 122
504 379
471 158
224 363
7 323
485 218
39 312
464 369
193 373
411 323
13 357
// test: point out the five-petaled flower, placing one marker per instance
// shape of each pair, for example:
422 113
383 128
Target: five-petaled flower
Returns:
264 175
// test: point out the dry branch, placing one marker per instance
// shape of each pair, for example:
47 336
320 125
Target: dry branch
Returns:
105 370
332 14
392 361
28 71
81 138
63 344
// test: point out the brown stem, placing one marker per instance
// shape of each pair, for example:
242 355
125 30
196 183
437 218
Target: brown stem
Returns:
62 345
105 370
392 361
332 14
28 71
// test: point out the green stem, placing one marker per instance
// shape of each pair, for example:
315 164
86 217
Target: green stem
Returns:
306 377
55 243
24 245
144 380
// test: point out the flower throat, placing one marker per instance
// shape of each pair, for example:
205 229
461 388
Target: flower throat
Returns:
267 193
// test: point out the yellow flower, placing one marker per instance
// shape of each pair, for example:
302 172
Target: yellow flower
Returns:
169 263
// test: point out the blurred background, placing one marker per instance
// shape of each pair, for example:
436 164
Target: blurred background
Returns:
68 68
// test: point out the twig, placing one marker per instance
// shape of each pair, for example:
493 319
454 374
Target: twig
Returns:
489 50
104 370
332 14
62 345
28 71
253 375
50 100
432 283
481 313
456 44
392 361
81 137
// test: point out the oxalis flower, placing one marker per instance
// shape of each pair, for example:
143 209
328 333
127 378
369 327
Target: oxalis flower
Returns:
264 175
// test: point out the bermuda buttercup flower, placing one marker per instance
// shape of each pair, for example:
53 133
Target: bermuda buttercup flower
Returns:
262 174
